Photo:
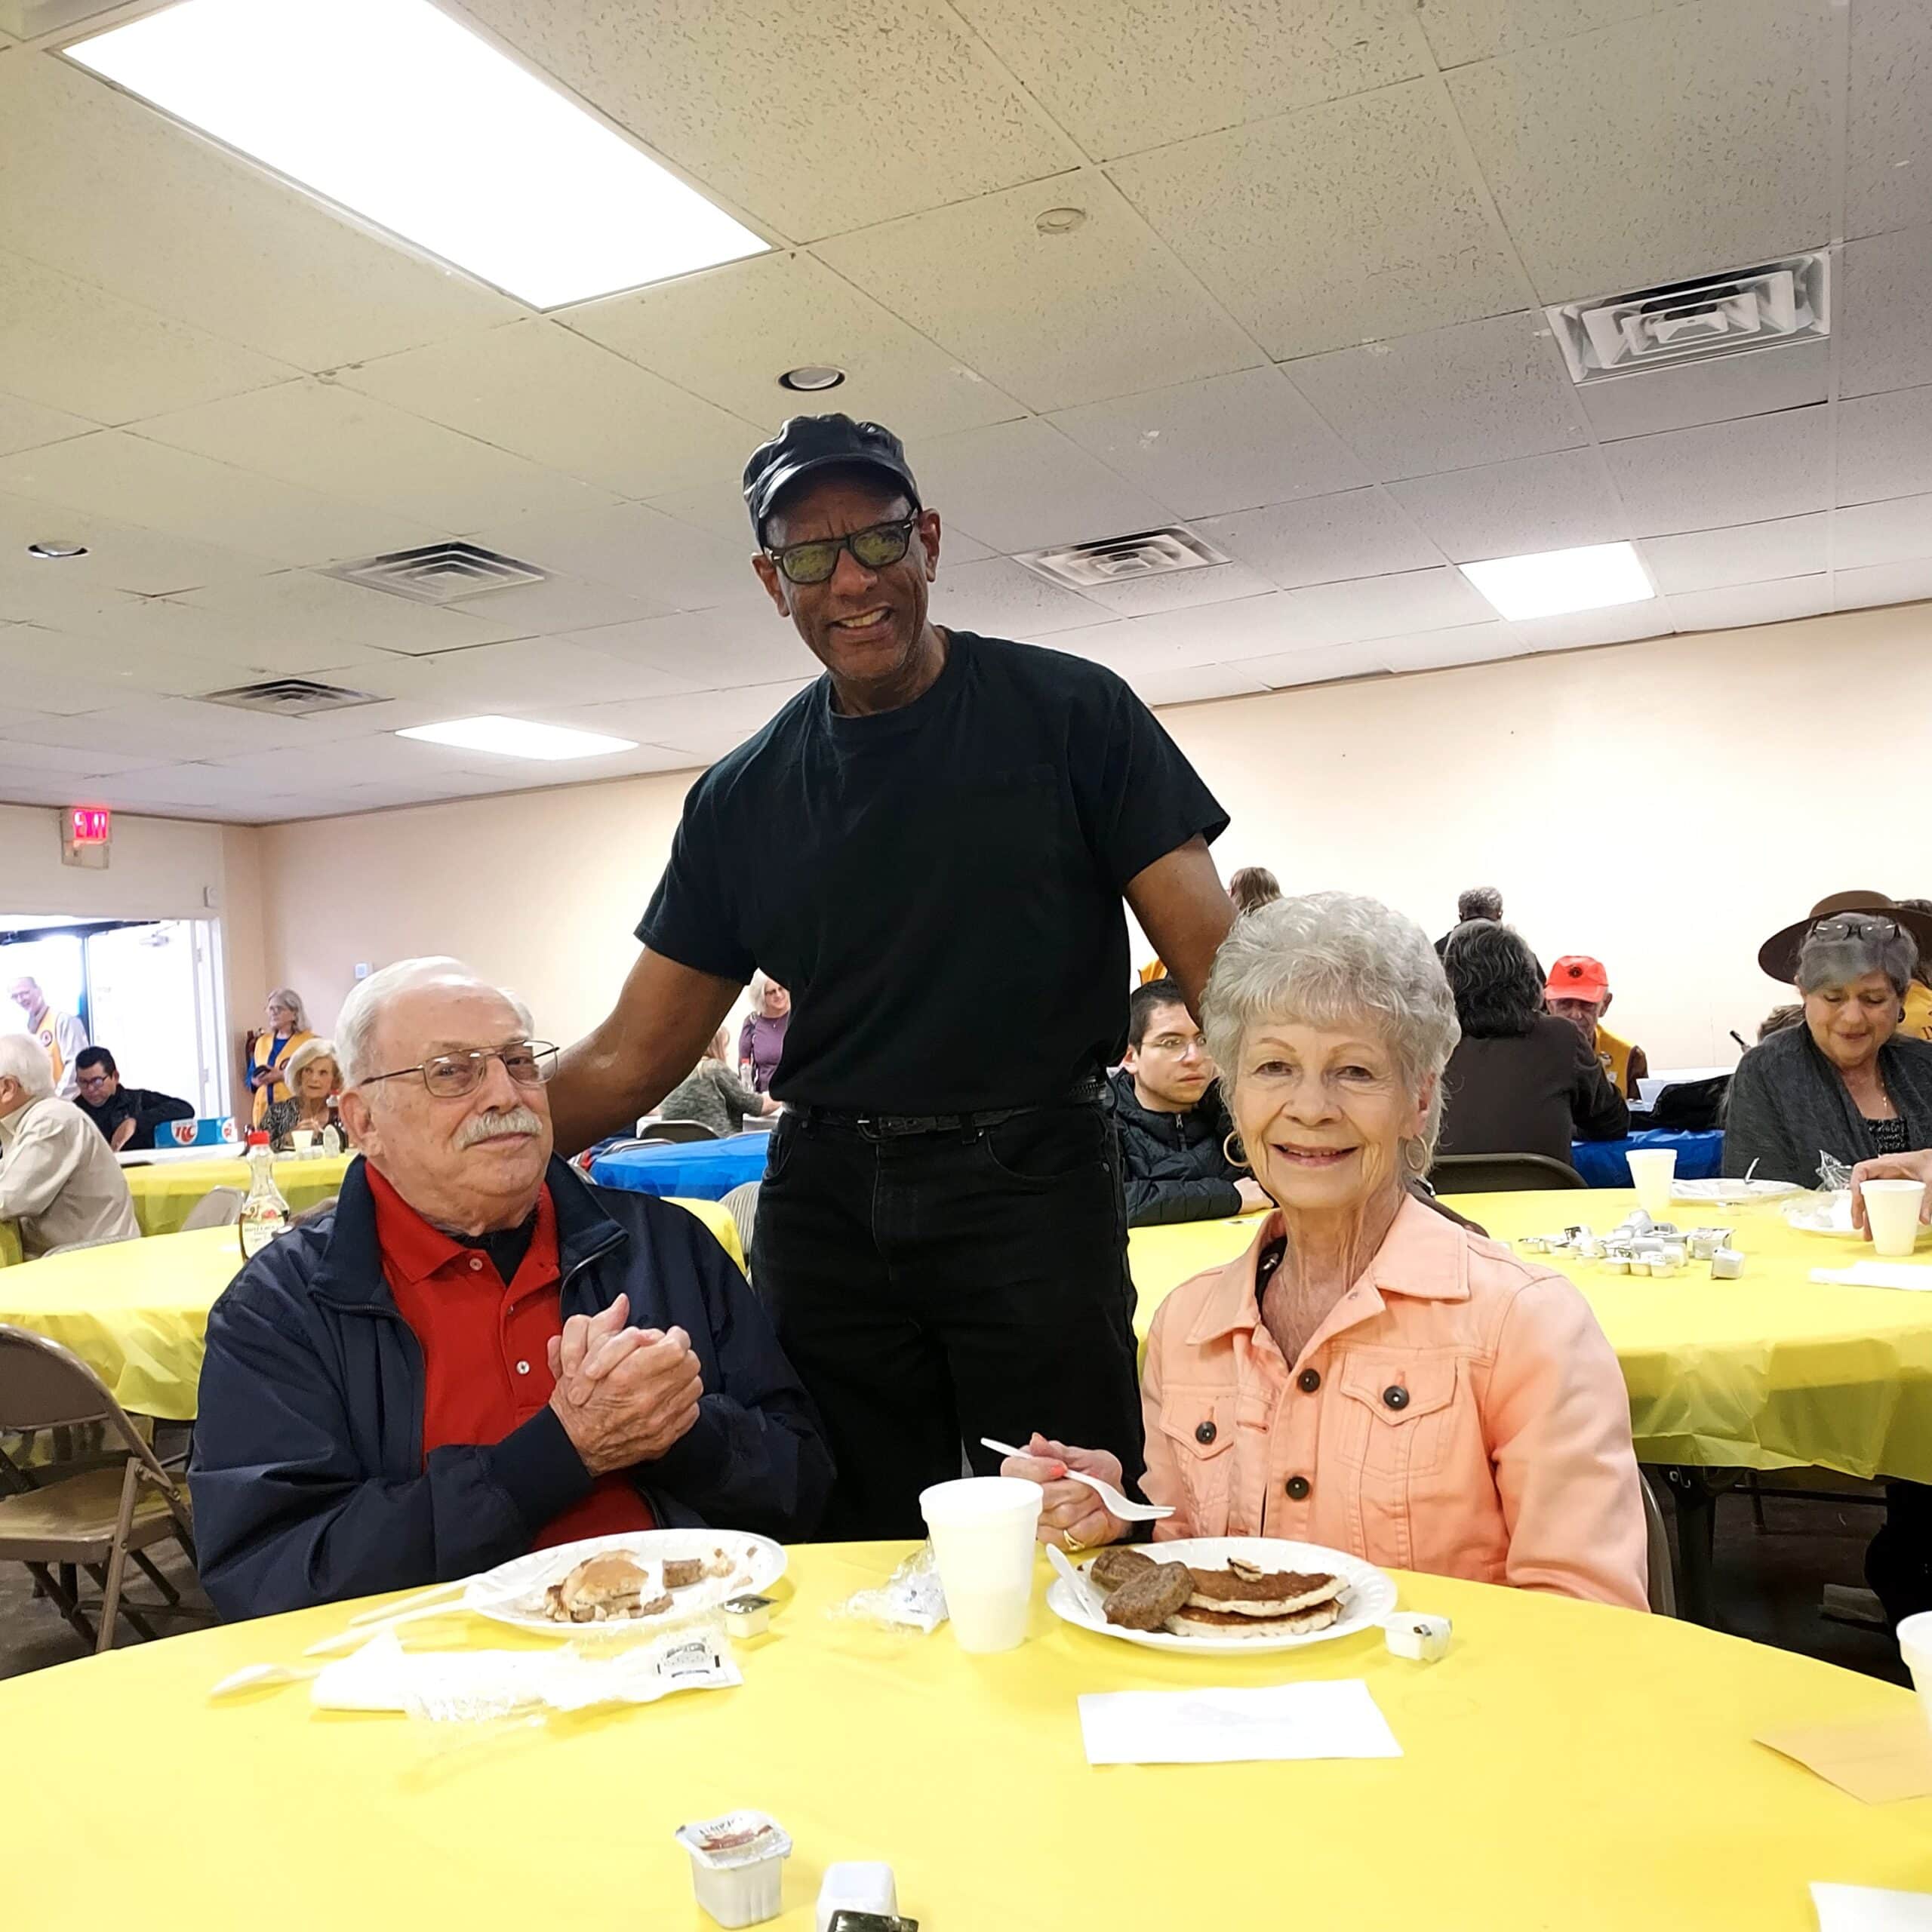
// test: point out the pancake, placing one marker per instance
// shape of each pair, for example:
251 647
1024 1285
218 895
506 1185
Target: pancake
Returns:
1242 1589
1189 1621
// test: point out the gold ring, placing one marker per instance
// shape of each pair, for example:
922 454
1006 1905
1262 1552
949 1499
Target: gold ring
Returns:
1071 1543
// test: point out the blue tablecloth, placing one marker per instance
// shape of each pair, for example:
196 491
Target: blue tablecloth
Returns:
1602 1162
695 1169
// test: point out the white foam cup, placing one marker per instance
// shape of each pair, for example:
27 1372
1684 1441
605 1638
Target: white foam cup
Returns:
302 1138
1652 1171
1891 1213
1915 1636
982 1529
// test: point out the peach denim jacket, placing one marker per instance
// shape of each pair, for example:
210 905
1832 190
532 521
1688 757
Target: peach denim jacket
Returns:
1459 1411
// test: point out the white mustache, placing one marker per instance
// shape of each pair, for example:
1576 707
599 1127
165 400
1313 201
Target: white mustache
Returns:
507 1125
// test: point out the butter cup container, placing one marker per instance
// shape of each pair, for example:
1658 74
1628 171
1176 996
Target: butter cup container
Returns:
738 1865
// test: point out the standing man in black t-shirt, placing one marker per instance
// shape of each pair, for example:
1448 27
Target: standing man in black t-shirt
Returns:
929 847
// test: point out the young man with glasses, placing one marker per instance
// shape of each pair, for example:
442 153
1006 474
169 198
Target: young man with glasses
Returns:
475 1353
940 1232
128 1116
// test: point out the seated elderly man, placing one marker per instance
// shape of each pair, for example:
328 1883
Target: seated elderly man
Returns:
475 1353
1369 1375
58 1178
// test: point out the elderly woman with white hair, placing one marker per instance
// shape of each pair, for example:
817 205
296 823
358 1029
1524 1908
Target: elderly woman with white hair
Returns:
761 1039
1847 1082
314 1074
1370 1375
270 1049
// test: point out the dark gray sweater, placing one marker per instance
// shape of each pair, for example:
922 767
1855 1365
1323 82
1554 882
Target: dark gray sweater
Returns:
1788 1105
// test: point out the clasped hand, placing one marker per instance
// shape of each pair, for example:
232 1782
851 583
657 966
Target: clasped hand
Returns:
624 1395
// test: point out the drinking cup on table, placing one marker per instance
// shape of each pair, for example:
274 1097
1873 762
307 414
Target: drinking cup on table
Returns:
302 1140
982 1530
1915 1636
1891 1213
1652 1171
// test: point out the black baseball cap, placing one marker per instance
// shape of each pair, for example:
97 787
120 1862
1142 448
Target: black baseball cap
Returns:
806 443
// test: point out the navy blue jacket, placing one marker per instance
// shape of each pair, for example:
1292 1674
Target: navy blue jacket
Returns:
308 1478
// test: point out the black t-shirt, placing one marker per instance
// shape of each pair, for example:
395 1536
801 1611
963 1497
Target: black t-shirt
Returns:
939 886
148 1109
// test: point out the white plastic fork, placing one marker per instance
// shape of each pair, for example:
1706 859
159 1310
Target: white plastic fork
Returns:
251 1675
1118 1504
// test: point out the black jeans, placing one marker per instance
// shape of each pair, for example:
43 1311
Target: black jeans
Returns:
935 1288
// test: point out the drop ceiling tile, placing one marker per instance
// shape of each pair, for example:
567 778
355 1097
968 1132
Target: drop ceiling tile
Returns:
134 480
1192 683
713 650
1907 583
17 759
717 507
1355 534
1321 664
1341 223
1690 141
1023 486
1180 590
1228 633
1385 607
1885 446
120 556
188 643
82 351
167 219
729 333
535 389
1056 320
1884 308
1443 651
1515 509
1000 599
804 116
1481 392
1885 533
307 612
1623 623
1754 553
1888 161
1789 376
26 425
38 675
176 728
706 726
528 674
1173 68
663 563
1460 31
1725 473
374 759
563 603
116 670
320 435
1229 443
1752 604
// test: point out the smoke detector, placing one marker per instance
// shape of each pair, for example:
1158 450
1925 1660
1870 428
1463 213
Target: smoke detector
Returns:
290 697
1686 322
1123 559
439 573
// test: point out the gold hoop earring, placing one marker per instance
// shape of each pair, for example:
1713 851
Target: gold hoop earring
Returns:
1228 1143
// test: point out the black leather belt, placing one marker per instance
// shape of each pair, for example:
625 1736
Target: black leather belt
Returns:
894 1126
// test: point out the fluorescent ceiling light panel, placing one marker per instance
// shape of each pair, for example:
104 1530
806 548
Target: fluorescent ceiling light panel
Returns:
403 116
1553 581
518 737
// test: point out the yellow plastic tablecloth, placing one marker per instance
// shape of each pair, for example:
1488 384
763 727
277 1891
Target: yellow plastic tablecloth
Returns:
1566 1765
1765 1373
10 1244
137 1311
165 1193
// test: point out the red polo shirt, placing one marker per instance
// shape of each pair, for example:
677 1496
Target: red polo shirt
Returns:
486 1346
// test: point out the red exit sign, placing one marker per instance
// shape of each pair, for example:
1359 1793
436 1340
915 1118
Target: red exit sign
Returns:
89 825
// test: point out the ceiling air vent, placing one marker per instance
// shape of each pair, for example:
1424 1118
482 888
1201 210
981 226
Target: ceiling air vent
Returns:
1123 559
1683 322
439 573
290 697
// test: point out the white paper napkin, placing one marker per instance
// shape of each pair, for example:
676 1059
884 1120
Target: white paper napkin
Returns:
1865 1909
1231 1727
1876 1275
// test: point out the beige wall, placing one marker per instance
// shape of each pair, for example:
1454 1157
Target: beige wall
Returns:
1664 805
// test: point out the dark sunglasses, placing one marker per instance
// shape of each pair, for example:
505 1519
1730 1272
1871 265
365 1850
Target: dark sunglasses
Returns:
875 547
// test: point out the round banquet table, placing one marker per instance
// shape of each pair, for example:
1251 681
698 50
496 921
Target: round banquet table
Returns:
1566 1764
165 1194
1770 1372
692 1169
137 1311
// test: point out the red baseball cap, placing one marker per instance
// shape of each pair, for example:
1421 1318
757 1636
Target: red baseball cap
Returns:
1577 976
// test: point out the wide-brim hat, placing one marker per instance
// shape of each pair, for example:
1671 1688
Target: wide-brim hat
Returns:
1778 955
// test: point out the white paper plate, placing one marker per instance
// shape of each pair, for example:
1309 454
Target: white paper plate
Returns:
513 1593
1371 1594
1732 1193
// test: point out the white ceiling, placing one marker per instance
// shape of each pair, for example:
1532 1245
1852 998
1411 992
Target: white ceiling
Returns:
1302 313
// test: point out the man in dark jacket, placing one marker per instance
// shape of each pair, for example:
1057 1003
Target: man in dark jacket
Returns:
128 1116
477 1354
1172 1122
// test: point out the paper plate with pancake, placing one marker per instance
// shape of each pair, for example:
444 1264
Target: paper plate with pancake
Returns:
1225 1593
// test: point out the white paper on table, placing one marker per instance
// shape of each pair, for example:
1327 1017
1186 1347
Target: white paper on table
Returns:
1865 1909
1233 1727
1876 1275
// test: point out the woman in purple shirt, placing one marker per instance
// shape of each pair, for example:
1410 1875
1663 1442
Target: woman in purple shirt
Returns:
761 1039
